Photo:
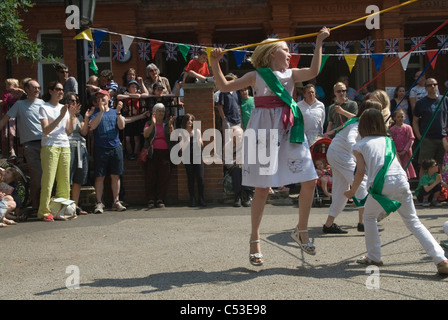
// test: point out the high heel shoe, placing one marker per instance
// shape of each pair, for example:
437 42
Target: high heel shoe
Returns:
255 256
308 247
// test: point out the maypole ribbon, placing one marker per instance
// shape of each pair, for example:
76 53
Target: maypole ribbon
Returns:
316 33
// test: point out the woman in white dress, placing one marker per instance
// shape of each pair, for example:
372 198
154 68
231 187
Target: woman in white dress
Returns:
288 162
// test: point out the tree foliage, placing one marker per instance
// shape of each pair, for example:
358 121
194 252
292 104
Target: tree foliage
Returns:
12 36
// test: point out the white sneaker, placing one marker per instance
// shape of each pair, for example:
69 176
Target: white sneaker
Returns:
118 206
99 208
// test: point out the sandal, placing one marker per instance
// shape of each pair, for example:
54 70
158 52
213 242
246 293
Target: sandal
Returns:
255 256
366 261
9 222
79 211
308 247
47 218
3 225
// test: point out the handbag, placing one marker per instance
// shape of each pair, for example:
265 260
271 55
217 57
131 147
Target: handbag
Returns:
63 209
145 154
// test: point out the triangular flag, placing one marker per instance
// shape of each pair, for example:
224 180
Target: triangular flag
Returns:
209 51
404 61
98 35
127 41
378 60
86 35
324 60
93 65
183 49
155 45
294 61
431 54
351 60
239 57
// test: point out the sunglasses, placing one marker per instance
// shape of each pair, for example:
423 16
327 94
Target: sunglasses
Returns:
73 100
58 89
432 85
341 91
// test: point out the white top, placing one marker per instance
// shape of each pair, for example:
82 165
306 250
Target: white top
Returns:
314 118
261 89
58 137
373 149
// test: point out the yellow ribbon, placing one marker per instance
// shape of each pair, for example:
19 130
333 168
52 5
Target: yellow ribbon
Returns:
316 33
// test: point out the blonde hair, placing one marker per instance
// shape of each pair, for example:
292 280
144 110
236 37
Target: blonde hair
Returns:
339 84
383 98
261 58
12 82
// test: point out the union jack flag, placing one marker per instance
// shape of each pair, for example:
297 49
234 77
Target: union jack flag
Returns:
367 48
117 50
171 51
323 47
442 40
293 47
419 51
273 36
194 51
391 47
144 51
342 48
92 49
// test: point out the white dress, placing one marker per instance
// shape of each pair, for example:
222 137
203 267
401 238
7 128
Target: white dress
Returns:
270 160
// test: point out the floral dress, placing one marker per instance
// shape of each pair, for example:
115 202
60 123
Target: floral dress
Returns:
404 138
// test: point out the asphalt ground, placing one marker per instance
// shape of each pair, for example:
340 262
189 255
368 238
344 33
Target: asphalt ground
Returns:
193 254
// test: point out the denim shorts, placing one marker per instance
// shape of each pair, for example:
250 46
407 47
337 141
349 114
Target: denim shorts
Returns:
108 161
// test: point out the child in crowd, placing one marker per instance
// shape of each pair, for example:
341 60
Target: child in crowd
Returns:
12 93
430 184
7 203
390 191
10 178
106 82
445 160
131 107
403 137
325 177
197 68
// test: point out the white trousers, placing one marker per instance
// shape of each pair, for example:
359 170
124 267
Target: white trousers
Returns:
397 188
342 179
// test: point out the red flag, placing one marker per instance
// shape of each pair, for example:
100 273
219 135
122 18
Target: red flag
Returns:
431 54
154 47
294 61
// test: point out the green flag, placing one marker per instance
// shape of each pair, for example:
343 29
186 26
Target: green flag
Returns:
183 48
93 65
324 59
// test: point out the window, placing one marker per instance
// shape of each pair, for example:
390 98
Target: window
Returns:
52 46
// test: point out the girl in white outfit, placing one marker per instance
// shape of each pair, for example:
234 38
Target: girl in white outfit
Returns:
370 155
288 162
343 165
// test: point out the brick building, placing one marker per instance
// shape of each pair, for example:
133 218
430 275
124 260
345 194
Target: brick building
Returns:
232 23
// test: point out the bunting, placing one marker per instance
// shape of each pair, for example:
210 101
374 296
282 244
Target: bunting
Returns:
171 51
367 48
342 48
144 51
117 51
148 49
419 51
93 50
392 46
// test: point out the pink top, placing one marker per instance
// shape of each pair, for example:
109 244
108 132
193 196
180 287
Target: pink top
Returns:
159 140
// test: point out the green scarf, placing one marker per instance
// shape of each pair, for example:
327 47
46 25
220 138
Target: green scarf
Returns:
376 189
350 121
298 128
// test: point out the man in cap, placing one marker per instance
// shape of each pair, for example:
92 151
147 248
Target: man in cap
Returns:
108 152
